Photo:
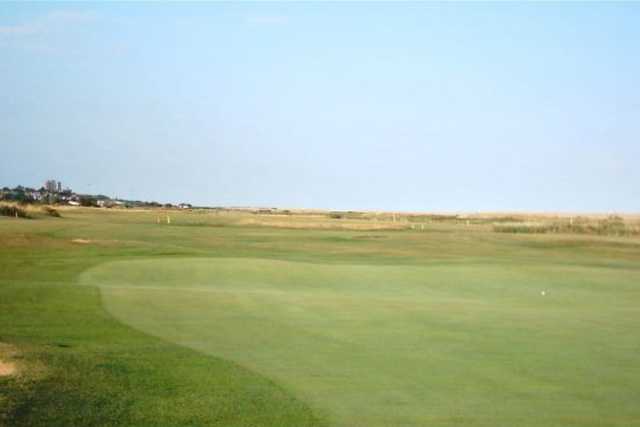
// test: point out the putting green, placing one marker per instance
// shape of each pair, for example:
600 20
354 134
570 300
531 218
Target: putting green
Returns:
438 345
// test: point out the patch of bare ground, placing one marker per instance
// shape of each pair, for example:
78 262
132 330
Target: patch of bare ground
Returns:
8 367
81 241
98 242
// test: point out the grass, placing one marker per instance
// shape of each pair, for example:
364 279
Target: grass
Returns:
218 320
13 210
611 225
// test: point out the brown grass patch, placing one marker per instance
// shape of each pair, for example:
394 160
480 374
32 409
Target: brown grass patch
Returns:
318 223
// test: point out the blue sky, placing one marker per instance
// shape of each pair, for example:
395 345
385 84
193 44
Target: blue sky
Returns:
399 106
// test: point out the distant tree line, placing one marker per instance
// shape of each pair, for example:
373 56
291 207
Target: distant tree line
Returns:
28 195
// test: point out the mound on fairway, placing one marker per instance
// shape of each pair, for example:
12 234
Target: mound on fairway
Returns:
438 345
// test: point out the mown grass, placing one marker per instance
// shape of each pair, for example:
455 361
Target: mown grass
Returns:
414 345
79 366
439 326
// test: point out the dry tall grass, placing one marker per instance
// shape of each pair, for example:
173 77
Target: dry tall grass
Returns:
16 210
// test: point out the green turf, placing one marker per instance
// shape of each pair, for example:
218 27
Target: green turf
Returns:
224 325
386 345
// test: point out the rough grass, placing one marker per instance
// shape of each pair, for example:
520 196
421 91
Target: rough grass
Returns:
51 211
13 210
27 211
223 323
609 226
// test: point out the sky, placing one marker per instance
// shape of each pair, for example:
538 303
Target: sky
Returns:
364 106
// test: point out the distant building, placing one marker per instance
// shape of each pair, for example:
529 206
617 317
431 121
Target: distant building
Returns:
53 186
50 185
185 206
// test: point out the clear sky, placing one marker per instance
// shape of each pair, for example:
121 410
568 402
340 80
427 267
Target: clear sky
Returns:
403 106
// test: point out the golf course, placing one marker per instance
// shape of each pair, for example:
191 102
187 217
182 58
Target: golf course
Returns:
236 318
319 214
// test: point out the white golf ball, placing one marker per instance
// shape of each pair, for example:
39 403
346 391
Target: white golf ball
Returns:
543 293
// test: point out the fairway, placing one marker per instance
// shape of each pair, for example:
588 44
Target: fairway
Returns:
438 343
231 319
